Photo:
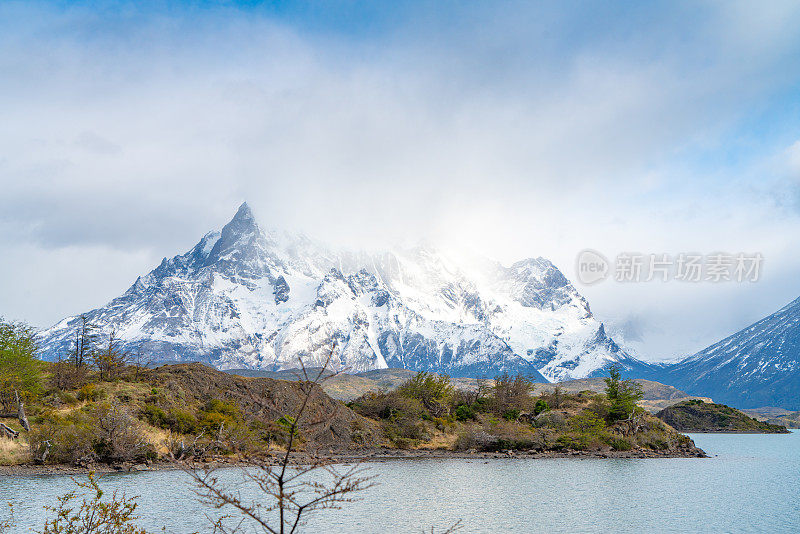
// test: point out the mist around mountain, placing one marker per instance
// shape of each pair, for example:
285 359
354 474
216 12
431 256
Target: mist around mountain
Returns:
248 298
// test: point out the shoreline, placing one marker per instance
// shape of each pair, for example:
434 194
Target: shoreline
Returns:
738 432
345 457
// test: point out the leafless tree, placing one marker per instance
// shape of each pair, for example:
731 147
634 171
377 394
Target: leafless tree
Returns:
141 358
112 359
98 512
291 486
67 376
455 527
481 390
85 340
118 435
511 391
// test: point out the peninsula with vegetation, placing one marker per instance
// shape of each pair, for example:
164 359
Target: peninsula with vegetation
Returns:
100 406
698 416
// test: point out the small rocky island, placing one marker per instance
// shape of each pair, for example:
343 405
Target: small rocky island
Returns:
698 416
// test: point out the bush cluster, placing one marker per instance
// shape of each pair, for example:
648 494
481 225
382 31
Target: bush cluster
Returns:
427 402
101 432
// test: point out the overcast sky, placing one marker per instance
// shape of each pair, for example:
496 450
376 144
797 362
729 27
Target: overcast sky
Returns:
129 130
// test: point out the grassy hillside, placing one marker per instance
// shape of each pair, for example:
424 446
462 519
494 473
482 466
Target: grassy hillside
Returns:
178 410
427 412
197 412
699 416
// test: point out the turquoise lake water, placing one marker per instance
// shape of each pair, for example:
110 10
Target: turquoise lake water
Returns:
750 484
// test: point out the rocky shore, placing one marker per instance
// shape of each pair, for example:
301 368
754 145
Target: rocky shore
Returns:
351 456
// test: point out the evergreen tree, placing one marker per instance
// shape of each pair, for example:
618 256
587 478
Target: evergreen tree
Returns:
622 394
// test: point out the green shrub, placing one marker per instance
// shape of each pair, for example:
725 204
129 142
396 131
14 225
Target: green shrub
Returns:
658 444
388 406
58 439
587 422
511 445
405 443
182 422
575 442
219 406
482 404
178 421
210 422
621 444
286 422
91 393
511 415
406 428
540 407
58 397
105 432
433 391
154 415
465 413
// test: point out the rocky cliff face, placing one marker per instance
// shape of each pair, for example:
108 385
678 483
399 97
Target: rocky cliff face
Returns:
243 297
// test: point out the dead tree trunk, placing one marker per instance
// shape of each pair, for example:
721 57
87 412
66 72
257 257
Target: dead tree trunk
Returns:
23 420
8 432
42 452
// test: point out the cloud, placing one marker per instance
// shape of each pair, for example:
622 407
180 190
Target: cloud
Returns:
517 130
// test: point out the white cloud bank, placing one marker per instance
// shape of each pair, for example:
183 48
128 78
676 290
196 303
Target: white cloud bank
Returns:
516 132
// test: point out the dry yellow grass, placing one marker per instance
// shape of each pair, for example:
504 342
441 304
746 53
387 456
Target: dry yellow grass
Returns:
157 437
14 451
67 409
440 441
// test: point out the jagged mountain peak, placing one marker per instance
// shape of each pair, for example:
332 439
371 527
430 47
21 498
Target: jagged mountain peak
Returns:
241 230
243 297
244 212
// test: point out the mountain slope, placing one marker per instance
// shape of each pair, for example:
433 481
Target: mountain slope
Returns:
247 298
757 366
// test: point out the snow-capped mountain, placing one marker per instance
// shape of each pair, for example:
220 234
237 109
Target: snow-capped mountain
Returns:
243 297
755 367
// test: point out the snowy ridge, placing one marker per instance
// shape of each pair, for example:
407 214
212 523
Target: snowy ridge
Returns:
243 297
755 367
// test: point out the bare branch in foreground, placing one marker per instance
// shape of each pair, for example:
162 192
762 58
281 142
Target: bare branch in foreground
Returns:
455 527
288 487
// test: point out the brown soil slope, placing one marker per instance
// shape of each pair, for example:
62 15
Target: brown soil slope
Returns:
326 421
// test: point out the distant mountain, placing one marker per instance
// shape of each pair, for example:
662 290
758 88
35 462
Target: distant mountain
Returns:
755 367
246 298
